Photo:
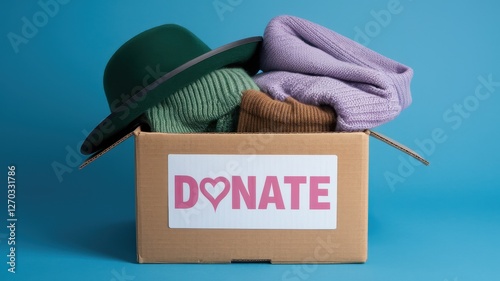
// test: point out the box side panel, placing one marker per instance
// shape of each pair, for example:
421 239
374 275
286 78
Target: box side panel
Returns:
138 198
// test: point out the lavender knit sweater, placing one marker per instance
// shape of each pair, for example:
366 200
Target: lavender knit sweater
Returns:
317 66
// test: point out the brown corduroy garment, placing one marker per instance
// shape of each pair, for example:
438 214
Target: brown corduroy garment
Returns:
260 113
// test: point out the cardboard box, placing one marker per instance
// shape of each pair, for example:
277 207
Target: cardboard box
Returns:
159 243
279 198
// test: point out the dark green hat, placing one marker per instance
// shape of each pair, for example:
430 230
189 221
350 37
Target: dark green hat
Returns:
152 66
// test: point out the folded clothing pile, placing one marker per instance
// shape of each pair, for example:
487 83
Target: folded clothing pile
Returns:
210 104
313 80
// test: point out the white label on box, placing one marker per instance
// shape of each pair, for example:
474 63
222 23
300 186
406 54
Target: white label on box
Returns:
252 191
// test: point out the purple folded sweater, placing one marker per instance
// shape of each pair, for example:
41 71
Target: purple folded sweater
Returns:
317 66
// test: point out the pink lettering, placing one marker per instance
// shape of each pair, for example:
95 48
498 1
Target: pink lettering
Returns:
213 182
187 192
179 192
295 183
271 184
239 191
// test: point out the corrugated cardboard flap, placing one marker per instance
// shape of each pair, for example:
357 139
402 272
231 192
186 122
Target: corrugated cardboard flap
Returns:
397 145
374 134
95 156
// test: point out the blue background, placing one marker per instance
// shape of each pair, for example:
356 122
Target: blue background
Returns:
428 223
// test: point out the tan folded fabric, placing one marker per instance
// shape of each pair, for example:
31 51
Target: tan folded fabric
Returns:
260 113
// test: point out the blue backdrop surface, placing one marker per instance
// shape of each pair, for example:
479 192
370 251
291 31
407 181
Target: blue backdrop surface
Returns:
440 222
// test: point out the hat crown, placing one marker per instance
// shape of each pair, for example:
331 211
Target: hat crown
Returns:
145 58
152 66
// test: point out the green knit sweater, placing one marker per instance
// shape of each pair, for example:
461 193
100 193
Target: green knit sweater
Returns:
210 104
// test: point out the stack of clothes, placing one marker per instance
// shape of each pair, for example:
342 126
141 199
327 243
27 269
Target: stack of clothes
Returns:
313 80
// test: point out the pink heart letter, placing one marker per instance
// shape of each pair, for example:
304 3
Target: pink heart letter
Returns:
215 201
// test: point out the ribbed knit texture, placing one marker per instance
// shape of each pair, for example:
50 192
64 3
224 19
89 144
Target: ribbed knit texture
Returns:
317 66
260 113
209 104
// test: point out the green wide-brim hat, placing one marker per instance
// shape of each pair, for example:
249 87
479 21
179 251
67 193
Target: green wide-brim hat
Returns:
155 64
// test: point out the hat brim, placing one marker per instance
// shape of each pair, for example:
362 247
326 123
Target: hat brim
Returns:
242 53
